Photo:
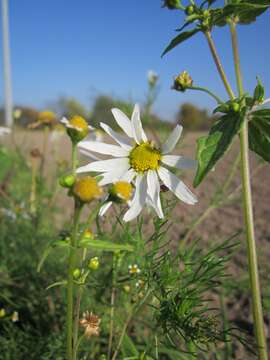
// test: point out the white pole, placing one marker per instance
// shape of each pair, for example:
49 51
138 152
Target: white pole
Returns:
6 63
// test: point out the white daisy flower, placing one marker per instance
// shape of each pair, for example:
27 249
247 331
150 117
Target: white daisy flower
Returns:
4 131
138 160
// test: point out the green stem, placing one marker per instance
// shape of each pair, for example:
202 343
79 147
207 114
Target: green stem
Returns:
71 267
218 64
200 88
112 306
74 158
248 214
228 347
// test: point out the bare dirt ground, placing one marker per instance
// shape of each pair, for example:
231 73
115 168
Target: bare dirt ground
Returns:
219 225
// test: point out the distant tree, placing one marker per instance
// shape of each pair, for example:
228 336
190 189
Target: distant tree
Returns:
193 118
69 107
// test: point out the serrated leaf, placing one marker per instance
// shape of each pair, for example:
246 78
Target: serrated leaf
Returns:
104 245
179 39
259 133
211 148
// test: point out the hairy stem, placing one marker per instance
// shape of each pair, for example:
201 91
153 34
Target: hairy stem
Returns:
218 64
248 214
200 88
71 266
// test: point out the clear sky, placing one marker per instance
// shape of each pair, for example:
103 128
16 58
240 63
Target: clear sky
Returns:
85 47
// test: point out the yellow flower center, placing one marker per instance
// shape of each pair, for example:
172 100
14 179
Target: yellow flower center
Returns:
122 189
79 123
144 157
46 117
88 233
87 189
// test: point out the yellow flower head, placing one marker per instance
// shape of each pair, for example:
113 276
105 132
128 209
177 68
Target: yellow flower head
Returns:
121 190
87 189
144 157
77 128
88 233
46 117
182 82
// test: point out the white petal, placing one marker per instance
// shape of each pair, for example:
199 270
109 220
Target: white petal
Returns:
177 186
123 121
153 189
129 175
104 208
121 140
172 139
139 199
157 209
112 176
106 165
64 121
103 148
180 162
89 154
138 132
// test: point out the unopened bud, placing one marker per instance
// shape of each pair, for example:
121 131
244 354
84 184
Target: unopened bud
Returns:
76 274
189 10
93 263
67 181
172 4
182 82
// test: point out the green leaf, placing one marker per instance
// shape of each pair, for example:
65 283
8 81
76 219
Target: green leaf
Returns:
259 133
44 257
211 148
128 348
104 245
57 283
179 39
258 95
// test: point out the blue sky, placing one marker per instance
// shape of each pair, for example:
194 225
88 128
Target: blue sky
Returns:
86 47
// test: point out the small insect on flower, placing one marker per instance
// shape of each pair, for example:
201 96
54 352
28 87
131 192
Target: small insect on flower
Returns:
134 269
90 323
77 128
87 189
119 192
139 161
182 82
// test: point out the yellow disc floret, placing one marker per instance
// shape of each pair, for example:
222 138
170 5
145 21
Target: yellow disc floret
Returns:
46 117
144 157
122 190
79 123
78 128
87 189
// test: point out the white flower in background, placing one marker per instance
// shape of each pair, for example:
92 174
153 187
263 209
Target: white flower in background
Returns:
139 160
4 131
152 77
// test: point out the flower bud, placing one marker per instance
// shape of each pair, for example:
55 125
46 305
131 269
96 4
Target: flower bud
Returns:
46 117
182 82
189 10
235 107
88 234
2 313
126 289
93 263
67 181
172 4
76 274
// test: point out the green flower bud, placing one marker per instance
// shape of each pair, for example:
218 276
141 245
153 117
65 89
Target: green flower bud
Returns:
77 129
206 14
235 107
189 10
67 181
93 263
172 4
182 82
76 274
126 289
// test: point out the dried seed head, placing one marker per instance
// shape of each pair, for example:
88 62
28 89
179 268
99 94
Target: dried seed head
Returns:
90 323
